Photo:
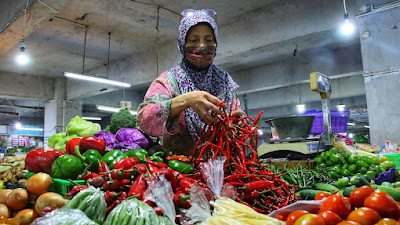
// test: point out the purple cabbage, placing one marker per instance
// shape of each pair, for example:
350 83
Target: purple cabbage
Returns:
131 137
109 138
126 145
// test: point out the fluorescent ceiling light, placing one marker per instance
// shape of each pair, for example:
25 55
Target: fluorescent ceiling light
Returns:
341 107
351 135
31 128
301 108
112 109
366 126
351 124
18 125
91 118
96 79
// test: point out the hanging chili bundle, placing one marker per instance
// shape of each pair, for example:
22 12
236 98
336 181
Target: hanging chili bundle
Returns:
257 186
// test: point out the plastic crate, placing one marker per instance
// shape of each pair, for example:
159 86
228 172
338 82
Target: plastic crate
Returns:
338 121
59 186
394 158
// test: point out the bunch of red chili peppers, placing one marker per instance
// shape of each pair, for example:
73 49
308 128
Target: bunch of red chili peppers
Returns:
257 186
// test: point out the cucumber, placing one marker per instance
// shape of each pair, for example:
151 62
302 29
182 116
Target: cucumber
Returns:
308 194
396 184
347 191
342 182
360 181
394 193
386 184
326 187
352 179
366 177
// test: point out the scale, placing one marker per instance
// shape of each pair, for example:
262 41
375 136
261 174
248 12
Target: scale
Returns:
295 148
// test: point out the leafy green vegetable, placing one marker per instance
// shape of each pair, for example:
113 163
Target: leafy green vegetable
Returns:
81 127
122 119
53 140
107 128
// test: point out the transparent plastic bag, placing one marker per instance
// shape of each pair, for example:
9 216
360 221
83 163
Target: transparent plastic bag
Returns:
64 217
299 205
200 208
91 202
160 192
213 173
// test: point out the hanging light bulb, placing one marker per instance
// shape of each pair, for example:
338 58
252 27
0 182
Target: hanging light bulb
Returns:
18 125
22 58
347 27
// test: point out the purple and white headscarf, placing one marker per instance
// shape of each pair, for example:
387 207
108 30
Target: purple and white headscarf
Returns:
213 80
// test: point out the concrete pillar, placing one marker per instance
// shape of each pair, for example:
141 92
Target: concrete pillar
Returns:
380 48
58 112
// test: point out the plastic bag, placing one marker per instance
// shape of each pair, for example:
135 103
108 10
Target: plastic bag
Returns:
82 127
90 201
200 208
213 173
299 205
160 192
64 216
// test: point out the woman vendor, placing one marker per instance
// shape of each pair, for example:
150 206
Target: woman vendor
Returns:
181 100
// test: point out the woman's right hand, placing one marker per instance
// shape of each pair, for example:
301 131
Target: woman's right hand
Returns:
201 102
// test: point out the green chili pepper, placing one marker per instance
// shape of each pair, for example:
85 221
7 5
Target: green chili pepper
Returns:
156 158
180 166
141 154
110 156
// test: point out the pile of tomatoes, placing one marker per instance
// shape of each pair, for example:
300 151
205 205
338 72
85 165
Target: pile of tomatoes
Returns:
366 206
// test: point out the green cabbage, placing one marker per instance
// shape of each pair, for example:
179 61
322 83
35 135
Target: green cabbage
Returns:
53 140
81 127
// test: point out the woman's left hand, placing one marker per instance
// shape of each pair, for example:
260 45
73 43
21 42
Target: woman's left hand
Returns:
239 113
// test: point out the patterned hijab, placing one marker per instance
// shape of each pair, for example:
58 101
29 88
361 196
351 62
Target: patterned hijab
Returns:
213 80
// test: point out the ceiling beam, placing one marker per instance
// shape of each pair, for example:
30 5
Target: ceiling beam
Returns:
21 27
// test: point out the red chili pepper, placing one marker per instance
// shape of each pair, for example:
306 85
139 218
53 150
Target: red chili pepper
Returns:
75 190
138 187
257 185
142 168
70 146
109 196
178 157
40 160
91 142
148 202
181 200
117 174
90 175
123 196
157 164
115 184
111 207
158 210
104 167
152 168
167 172
126 163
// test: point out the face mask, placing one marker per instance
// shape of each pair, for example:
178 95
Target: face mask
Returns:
200 57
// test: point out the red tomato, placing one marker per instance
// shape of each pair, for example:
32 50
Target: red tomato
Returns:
310 219
383 204
330 217
364 216
387 221
292 217
348 223
337 204
358 196
282 216
322 195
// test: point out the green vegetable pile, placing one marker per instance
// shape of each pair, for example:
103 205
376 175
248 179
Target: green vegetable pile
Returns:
77 127
343 164
122 119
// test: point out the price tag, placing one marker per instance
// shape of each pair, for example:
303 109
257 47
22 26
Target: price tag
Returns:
320 83
126 105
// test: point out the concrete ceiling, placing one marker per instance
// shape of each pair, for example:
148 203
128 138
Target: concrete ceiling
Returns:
55 43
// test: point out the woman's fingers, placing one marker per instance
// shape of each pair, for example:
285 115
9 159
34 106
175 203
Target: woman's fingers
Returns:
215 100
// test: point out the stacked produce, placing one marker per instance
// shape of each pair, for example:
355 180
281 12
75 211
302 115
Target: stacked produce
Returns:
257 186
11 175
25 205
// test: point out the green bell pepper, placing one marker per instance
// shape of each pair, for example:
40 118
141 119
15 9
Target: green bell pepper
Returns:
387 165
156 158
67 167
180 166
110 157
141 154
90 157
